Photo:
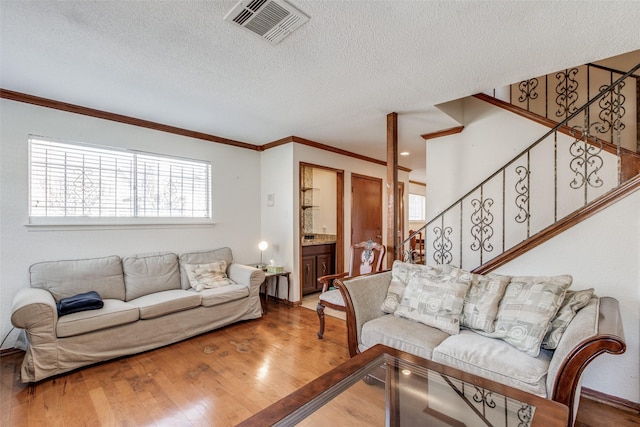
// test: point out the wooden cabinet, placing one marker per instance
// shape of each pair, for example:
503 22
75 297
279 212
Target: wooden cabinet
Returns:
317 261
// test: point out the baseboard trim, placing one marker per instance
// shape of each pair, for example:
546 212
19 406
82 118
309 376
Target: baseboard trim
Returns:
614 401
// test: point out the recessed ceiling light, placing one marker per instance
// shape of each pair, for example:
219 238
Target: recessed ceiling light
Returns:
404 153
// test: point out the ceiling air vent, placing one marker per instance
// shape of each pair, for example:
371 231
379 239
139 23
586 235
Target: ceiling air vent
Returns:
271 20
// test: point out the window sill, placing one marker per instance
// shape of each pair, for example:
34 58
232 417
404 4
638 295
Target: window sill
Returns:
58 224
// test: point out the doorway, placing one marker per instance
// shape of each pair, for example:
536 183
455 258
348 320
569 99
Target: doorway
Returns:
321 224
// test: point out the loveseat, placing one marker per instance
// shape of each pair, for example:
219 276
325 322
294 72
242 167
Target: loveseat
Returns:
147 301
531 333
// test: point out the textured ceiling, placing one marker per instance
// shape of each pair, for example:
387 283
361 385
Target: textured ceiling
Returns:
333 81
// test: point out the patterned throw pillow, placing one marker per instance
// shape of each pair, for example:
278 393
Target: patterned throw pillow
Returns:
434 296
526 310
399 278
482 301
573 302
207 276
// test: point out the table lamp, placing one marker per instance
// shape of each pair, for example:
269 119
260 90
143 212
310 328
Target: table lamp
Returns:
262 246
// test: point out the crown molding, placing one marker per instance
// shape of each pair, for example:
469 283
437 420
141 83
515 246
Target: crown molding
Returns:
105 115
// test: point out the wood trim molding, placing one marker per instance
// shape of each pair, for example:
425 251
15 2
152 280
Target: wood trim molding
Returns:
277 143
607 399
441 133
105 115
133 121
569 221
418 183
320 146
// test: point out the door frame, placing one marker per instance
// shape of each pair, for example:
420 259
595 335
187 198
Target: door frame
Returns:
339 217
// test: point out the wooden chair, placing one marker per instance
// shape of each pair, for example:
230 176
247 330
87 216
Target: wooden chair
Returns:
366 257
416 246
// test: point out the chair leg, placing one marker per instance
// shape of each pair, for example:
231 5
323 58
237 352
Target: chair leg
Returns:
320 311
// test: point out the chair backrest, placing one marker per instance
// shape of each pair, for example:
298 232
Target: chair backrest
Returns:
366 257
415 240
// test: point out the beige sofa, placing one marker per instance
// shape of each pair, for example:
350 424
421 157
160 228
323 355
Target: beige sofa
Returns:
148 302
493 326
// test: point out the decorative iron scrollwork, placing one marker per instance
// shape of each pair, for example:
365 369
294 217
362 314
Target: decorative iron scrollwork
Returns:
612 109
567 92
528 90
586 161
522 198
442 245
485 397
525 415
482 220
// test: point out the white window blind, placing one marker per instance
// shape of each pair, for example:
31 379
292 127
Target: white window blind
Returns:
78 180
416 207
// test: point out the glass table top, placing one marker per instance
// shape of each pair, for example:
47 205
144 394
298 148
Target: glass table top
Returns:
392 388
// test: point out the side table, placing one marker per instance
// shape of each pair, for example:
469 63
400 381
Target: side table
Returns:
285 274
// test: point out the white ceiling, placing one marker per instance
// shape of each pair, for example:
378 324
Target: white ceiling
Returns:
333 81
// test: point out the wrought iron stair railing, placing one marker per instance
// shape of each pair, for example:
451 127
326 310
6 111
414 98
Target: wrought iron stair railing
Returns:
574 164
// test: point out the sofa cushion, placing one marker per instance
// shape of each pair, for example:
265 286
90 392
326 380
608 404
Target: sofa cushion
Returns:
495 360
146 274
68 278
527 308
166 302
435 296
482 301
215 296
202 257
399 278
411 337
207 276
113 313
573 302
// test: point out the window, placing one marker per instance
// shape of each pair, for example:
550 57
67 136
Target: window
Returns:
416 207
84 183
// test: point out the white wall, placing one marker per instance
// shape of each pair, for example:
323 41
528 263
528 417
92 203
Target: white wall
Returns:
602 252
236 198
324 196
457 163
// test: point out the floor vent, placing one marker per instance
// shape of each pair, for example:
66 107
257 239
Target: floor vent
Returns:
271 20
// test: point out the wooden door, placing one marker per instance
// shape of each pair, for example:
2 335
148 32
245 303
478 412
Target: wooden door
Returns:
366 209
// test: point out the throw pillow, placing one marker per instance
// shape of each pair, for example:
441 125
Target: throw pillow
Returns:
528 305
573 302
435 296
206 276
399 278
482 301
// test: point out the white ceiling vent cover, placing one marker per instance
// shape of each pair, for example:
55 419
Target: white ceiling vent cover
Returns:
272 20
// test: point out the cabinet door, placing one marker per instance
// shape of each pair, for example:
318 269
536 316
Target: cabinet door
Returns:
308 275
324 266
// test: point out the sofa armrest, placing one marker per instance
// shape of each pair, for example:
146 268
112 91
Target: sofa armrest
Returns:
34 310
363 297
595 329
246 275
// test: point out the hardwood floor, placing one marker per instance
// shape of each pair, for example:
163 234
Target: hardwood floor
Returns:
219 378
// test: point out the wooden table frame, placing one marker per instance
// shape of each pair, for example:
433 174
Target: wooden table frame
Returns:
285 274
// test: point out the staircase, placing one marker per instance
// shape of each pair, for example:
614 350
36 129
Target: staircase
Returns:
587 160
